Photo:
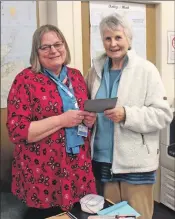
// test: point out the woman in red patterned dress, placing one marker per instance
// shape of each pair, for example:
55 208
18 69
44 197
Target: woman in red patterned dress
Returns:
52 163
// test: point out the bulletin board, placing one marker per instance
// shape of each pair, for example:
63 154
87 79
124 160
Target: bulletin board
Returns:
19 21
6 147
150 34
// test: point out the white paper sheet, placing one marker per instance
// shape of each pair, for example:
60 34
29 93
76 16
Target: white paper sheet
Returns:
171 47
136 15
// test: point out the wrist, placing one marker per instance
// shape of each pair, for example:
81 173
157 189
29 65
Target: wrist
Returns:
60 121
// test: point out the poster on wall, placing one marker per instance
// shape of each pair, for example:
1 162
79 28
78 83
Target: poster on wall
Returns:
18 22
171 47
134 13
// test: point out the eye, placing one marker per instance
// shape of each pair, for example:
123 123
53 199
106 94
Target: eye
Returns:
108 39
44 47
118 37
58 45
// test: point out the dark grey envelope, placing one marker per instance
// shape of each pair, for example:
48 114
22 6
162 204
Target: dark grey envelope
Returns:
100 105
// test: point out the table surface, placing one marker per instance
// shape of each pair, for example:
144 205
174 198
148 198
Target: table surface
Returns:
32 213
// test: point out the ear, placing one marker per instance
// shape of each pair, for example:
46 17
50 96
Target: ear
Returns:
129 43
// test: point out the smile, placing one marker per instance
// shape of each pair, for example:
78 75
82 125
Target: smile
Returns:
54 57
114 50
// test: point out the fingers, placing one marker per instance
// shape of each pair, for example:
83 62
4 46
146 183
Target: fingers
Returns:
83 113
91 114
115 118
74 117
91 117
88 123
109 116
80 117
77 116
110 112
89 120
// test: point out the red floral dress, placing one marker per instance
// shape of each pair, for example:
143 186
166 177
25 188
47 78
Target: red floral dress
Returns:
43 174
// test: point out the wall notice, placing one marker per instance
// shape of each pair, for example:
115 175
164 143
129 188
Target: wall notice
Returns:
135 14
171 47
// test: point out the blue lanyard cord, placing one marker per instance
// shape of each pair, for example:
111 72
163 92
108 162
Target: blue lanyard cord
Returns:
63 87
69 91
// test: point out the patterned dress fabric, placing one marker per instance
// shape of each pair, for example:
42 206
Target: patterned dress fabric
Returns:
43 174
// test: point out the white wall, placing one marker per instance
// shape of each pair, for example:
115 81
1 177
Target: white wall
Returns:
67 16
42 12
165 22
69 21
52 12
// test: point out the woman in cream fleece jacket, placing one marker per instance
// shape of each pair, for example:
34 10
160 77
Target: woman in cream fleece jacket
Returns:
125 140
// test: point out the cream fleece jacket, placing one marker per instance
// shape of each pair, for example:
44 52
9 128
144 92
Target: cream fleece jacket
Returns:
142 94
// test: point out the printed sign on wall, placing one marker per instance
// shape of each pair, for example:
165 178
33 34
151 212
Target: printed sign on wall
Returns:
171 47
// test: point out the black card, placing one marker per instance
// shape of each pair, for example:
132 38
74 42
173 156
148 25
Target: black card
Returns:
100 105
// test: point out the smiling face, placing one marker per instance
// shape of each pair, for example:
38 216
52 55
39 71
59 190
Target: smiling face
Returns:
115 43
54 57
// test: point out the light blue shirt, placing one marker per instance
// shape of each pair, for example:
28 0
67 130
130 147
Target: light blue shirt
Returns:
103 142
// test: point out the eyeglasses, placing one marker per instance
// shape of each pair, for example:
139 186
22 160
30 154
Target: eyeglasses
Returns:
47 48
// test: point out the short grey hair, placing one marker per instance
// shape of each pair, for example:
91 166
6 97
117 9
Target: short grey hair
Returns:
36 43
112 22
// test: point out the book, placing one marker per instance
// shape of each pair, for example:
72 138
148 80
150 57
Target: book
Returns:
122 208
64 215
59 216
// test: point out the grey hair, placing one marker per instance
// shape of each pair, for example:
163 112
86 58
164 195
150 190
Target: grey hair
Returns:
36 43
112 22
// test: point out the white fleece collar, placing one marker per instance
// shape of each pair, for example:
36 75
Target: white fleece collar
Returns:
99 62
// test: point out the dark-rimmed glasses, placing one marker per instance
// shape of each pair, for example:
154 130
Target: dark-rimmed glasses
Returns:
46 48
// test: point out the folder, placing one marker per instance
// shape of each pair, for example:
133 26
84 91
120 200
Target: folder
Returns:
122 208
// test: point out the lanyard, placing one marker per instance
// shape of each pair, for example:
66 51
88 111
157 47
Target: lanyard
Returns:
64 88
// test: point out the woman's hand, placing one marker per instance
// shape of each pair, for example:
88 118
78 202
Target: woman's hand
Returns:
116 115
72 118
89 119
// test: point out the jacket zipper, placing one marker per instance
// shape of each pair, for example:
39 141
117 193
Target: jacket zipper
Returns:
144 143
111 173
112 155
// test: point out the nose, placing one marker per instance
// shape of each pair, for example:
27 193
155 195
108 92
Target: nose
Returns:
113 42
52 49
